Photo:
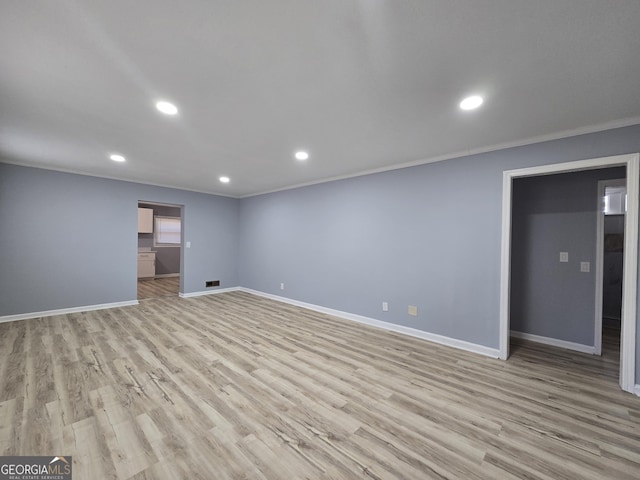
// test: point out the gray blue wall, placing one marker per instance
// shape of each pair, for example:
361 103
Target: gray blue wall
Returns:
553 214
426 236
407 237
71 240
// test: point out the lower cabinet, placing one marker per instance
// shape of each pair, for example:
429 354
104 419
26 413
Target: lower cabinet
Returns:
146 264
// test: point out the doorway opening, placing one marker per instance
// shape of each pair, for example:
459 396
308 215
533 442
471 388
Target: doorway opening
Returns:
630 262
612 197
159 250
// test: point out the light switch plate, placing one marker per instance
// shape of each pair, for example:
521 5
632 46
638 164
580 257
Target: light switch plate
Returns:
564 257
585 267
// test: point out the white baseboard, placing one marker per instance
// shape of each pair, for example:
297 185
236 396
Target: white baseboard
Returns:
554 342
209 292
432 337
167 275
64 311
102 306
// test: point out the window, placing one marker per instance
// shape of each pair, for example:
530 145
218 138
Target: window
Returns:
167 232
615 200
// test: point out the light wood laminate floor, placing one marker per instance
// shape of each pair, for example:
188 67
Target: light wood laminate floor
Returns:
234 386
158 287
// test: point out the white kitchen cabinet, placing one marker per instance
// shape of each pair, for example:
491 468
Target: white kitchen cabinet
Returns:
146 264
145 220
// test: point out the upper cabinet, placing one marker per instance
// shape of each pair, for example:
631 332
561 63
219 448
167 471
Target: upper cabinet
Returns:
145 220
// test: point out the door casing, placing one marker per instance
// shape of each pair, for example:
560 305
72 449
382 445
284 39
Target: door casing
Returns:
630 270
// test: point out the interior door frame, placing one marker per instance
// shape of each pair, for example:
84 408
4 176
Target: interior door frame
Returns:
182 241
599 266
630 269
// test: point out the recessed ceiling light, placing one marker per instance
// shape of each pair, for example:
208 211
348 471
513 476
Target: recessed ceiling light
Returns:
224 179
302 155
167 108
117 158
471 103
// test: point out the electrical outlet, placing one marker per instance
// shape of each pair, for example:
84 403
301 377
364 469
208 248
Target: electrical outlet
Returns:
385 307
585 267
282 286
564 257
412 310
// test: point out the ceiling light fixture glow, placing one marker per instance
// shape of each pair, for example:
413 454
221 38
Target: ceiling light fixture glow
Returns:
117 158
166 107
471 103
302 155
225 179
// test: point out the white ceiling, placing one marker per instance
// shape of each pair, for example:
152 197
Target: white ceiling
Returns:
361 84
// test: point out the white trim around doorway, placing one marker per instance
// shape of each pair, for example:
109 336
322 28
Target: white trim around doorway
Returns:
630 278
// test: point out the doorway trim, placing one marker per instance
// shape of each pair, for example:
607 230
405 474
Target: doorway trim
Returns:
181 274
602 184
630 269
